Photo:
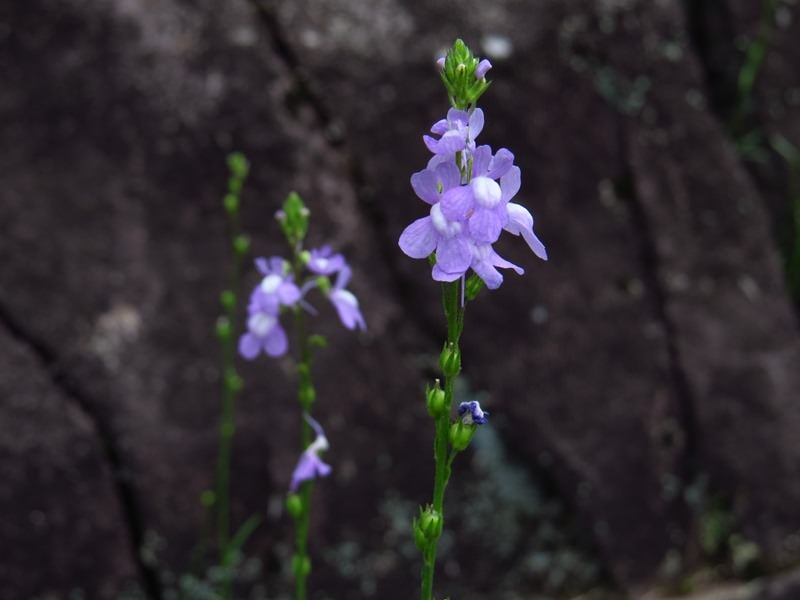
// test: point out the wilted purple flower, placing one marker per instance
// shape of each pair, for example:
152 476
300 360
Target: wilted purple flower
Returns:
277 286
470 412
324 262
264 331
458 132
310 465
345 302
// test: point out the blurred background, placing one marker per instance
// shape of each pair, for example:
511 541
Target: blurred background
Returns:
643 383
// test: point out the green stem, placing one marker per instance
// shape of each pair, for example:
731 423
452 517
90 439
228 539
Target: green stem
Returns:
451 300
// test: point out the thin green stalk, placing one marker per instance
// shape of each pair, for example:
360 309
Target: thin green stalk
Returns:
231 382
451 300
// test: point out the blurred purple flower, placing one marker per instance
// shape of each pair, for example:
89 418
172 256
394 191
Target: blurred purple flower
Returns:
345 302
310 465
277 286
264 331
324 262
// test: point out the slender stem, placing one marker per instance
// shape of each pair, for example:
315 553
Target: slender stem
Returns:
454 311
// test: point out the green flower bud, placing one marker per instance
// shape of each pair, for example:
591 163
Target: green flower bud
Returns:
231 202
458 76
301 566
461 435
238 165
232 381
317 341
294 505
450 360
324 284
228 300
306 395
427 527
241 245
305 256
224 330
436 401
294 218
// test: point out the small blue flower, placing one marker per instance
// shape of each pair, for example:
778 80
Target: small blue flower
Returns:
471 412
310 465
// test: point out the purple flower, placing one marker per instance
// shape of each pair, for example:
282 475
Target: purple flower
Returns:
345 302
324 262
264 331
470 412
482 203
520 222
310 465
458 132
482 68
277 286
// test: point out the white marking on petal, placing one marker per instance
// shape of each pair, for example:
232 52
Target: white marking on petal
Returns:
446 228
271 283
347 297
261 324
487 192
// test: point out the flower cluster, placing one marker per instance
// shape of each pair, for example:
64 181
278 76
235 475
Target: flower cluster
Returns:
278 290
469 189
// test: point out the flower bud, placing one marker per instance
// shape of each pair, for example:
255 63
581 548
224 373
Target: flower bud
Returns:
427 527
241 245
324 284
232 380
301 566
208 498
436 401
461 435
228 300
306 395
224 328
231 202
294 505
450 360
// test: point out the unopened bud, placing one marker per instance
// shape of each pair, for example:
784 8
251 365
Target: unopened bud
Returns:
450 360
294 505
427 527
436 401
306 395
223 328
241 245
461 435
231 203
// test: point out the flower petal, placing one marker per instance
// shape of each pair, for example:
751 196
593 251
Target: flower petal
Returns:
501 163
451 142
510 183
249 346
475 122
439 275
453 255
346 305
276 342
289 293
425 185
418 240
480 160
499 261
482 68
520 222
448 174
486 271
485 226
440 127
456 202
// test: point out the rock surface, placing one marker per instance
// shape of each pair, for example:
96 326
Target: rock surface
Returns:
654 355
